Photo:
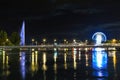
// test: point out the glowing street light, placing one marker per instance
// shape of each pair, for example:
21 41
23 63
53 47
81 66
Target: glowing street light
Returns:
33 40
114 40
36 42
7 40
44 40
74 40
65 40
86 41
55 40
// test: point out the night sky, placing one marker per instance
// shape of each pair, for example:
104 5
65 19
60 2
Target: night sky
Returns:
62 18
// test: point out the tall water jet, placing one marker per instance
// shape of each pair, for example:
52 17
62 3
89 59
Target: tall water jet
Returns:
22 34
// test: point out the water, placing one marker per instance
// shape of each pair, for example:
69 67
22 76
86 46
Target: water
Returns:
60 65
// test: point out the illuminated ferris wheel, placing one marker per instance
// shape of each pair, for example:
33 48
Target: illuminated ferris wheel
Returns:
99 37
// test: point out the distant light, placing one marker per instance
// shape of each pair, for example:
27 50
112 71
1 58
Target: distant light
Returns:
114 40
55 40
99 37
33 49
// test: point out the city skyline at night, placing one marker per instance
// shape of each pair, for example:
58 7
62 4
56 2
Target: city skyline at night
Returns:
59 40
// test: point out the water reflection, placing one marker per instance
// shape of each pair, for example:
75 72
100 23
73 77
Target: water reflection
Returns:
114 61
74 58
79 55
86 57
55 71
5 61
55 59
99 62
22 64
44 66
65 60
34 62
60 65
55 55
113 55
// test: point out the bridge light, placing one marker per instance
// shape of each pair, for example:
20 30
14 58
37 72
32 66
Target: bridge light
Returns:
44 40
7 39
114 40
33 41
65 40
74 40
55 40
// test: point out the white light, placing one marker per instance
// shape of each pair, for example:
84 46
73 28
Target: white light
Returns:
99 37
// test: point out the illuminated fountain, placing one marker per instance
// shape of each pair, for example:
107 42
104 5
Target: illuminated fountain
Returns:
22 34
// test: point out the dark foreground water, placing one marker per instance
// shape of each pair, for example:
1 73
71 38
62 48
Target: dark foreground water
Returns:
60 65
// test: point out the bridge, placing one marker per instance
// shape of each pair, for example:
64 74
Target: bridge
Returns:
59 46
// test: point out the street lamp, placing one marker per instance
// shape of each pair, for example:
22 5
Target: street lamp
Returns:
36 42
7 40
86 41
55 42
33 41
65 41
44 40
74 40
114 40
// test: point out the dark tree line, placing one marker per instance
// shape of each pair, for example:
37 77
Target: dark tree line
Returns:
5 40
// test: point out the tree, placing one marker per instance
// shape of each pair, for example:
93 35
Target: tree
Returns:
3 37
15 38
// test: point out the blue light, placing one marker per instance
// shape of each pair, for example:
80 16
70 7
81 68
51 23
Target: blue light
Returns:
99 63
55 56
22 64
22 35
99 37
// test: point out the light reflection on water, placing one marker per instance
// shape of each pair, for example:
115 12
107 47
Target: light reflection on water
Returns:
59 65
99 63
22 64
5 64
34 62
74 59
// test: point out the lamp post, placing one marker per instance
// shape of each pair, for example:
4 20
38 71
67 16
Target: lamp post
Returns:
86 42
55 42
74 40
7 39
44 40
65 41
33 41
36 42
114 41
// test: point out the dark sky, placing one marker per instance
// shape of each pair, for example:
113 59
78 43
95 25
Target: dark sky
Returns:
62 18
